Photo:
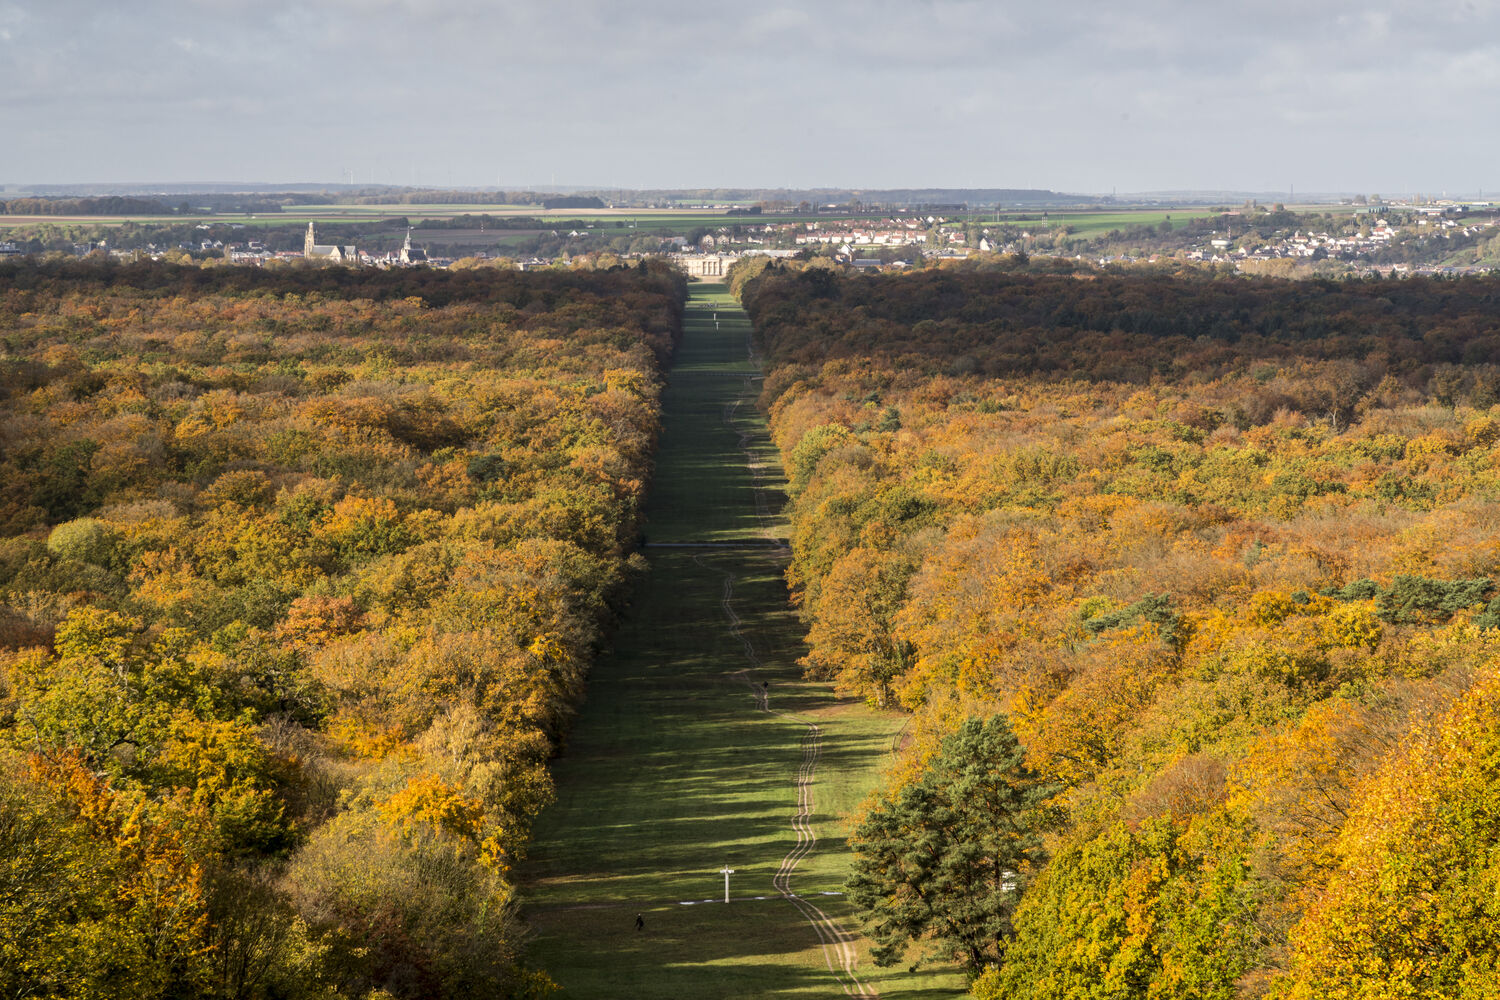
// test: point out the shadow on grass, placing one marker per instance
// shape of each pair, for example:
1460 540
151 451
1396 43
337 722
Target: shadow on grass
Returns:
745 949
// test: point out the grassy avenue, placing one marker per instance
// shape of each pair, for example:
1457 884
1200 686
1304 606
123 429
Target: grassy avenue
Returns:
674 771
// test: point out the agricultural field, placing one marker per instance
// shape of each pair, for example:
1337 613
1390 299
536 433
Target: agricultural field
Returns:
651 220
1089 224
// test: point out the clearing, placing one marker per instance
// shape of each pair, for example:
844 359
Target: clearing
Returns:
701 747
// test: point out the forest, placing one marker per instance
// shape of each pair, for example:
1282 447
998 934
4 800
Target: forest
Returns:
108 205
1191 587
1188 583
301 573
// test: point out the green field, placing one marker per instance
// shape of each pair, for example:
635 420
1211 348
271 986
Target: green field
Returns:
673 771
1089 224
644 220
614 222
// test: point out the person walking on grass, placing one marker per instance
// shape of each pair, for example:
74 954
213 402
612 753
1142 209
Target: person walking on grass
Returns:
640 922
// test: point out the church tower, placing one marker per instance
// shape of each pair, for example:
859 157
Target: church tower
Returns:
410 254
310 242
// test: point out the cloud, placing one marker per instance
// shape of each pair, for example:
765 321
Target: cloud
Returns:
11 20
1156 93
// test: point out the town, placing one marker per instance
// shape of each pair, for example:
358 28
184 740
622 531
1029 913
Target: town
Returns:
1415 236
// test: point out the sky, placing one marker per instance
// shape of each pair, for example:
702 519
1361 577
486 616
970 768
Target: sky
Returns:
1071 95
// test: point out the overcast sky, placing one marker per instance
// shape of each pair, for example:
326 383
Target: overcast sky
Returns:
1073 95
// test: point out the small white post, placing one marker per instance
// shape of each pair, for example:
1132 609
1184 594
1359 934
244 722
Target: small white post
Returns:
726 871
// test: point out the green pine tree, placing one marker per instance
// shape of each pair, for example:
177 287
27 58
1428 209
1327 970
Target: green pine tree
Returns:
948 857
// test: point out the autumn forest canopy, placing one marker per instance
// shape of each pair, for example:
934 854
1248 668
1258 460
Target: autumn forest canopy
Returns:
299 581
1189 585
1193 583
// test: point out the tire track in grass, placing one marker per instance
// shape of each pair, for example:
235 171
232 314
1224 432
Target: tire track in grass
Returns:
839 952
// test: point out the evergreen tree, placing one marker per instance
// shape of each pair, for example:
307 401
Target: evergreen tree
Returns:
948 857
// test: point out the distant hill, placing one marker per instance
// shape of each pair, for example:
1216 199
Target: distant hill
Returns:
871 196
161 189
379 193
975 196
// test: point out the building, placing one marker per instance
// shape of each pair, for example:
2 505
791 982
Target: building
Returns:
411 254
312 249
709 265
